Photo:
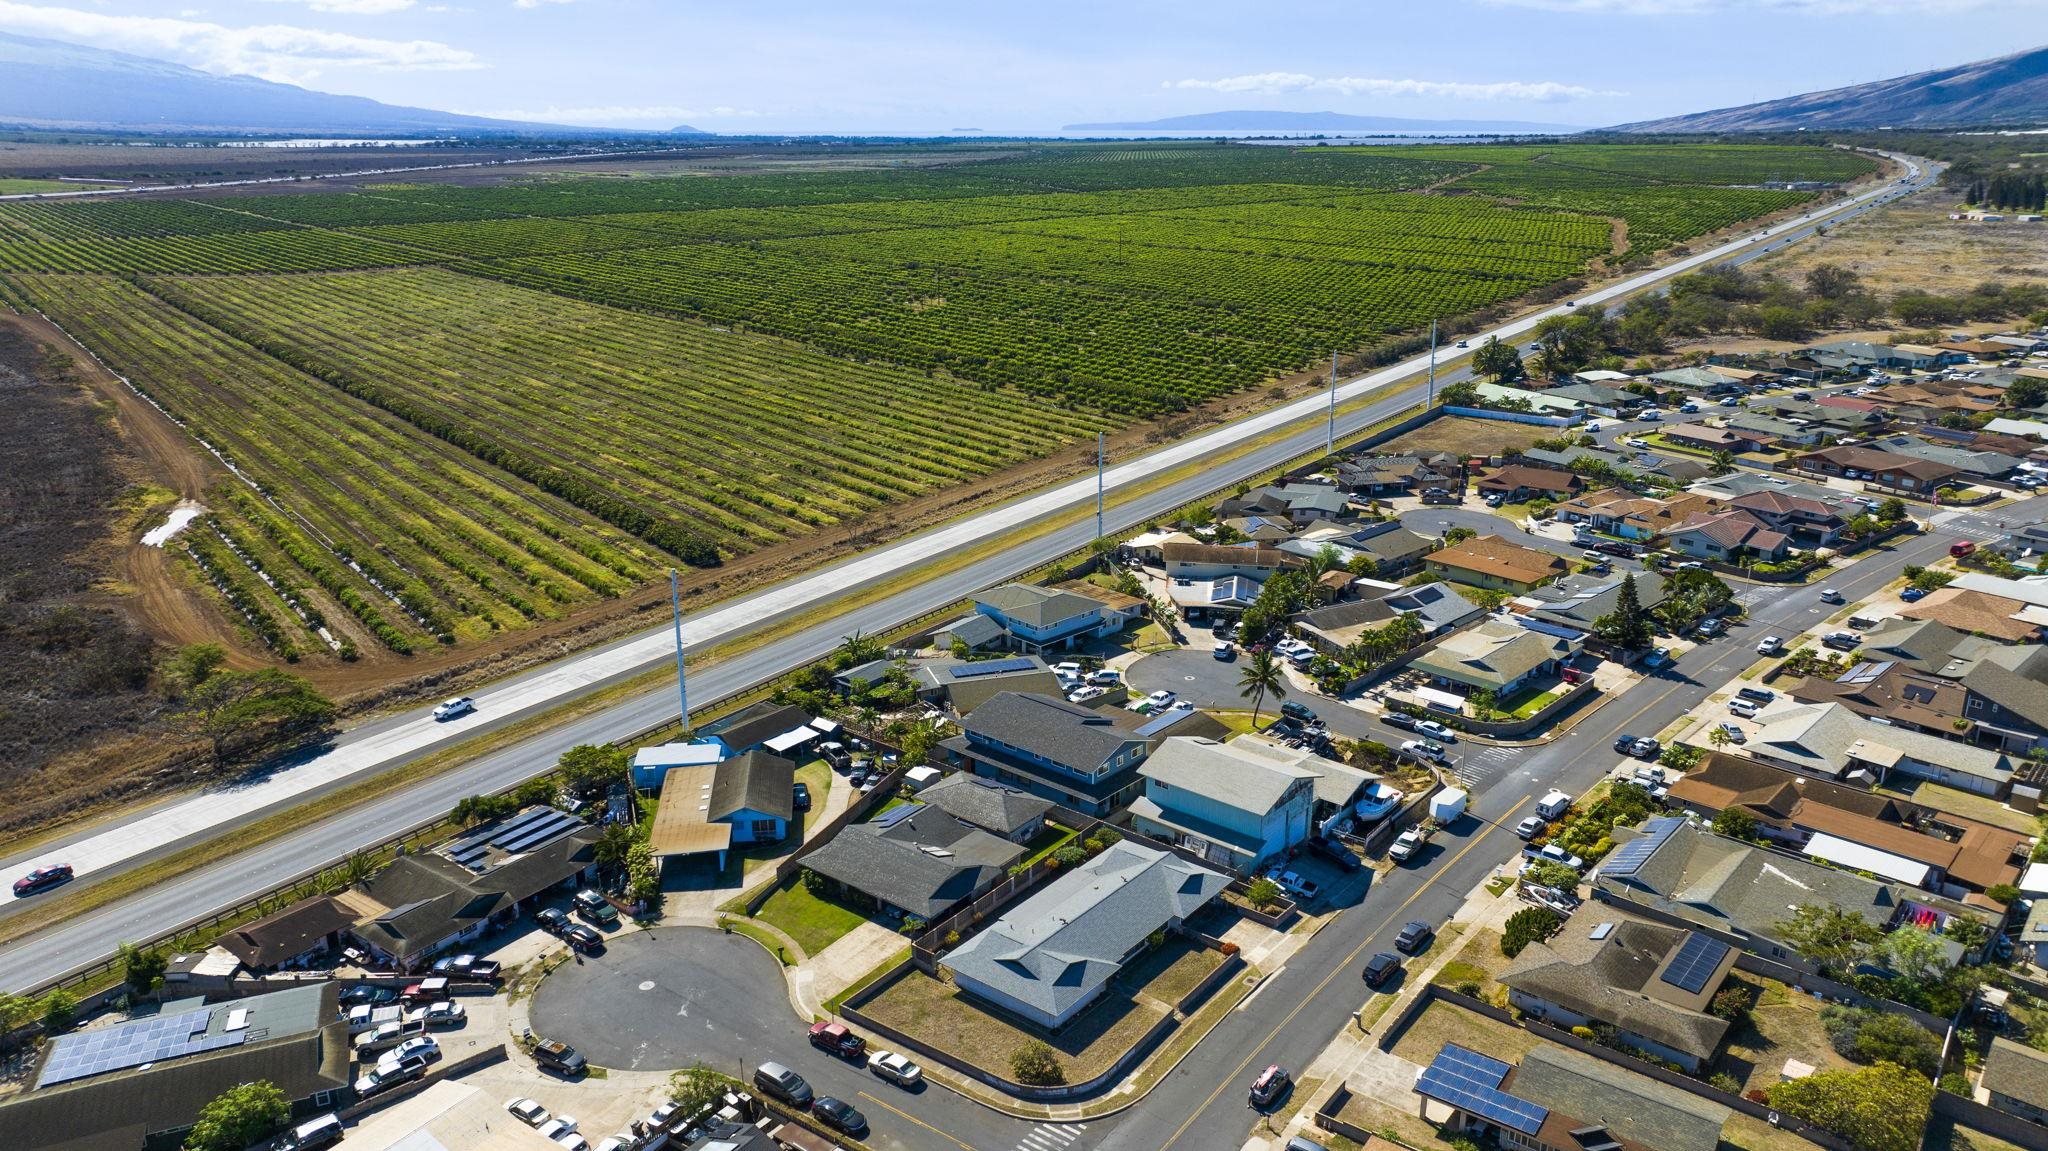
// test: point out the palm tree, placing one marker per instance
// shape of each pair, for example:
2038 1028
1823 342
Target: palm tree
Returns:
1261 677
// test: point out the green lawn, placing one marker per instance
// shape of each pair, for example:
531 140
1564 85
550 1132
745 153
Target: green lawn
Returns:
816 775
15 186
814 922
1046 842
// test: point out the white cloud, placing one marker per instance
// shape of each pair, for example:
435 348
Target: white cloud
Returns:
664 114
1795 7
538 3
351 7
1278 83
272 51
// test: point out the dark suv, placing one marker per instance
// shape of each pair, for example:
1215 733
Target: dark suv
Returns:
1381 968
1414 937
554 1053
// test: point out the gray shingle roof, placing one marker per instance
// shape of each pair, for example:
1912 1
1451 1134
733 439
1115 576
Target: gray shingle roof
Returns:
1224 773
1580 600
431 897
1635 1107
2016 1071
1439 605
1037 607
923 863
756 724
1604 978
1059 731
985 804
754 781
2016 679
1060 946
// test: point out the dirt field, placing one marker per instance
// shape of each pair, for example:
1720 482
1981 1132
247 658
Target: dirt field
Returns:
1467 436
1913 244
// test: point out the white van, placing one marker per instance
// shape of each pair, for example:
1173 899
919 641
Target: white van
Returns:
1553 805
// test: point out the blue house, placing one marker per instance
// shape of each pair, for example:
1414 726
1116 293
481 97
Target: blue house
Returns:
650 764
1237 803
1037 618
1044 745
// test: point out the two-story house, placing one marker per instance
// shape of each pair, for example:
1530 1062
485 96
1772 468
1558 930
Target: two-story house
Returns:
1809 522
1228 801
1085 759
1729 537
1037 618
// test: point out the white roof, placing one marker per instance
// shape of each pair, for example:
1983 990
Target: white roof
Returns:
678 755
922 773
792 739
2034 591
2017 427
1449 701
825 726
2035 880
1843 853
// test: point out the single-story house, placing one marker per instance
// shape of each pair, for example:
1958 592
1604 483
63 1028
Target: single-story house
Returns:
1895 693
1980 613
1437 607
1699 381
1194 561
1560 1100
1522 399
1708 438
915 861
1650 982
1729 537
1051 955
274 941
1225 595
1386 476
1579 601
1619 512
1084 759
1885 469
1300 503
1517 483
652 764
779 728
2015 1080
1492 562
1394 550
1833 742
1975 463
1497 655
1009 812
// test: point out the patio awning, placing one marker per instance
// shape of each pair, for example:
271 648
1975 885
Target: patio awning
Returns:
790 740
1440 700
1843 853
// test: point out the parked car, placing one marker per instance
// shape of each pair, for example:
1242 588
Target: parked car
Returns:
558 1128
468 967
1959 550
429 990
42 879
779 1082
1743 708
583 938
1408 845
454 708
1770 645
840 1115
552 920
1530 827
1400 719
1423 749
1335 852
1435 730
1709 628
1414 937
1299 712
800 796
1912 595
527 1111
1383 966
896 1069
368 995
1625 743
382 1078
596 908
381 1037
1270 1085
1841 640
1646 748
1225 651
1756 694
1160 699
555 1054
446 1013
422 1046
313 1134
1862 622
835 1038
1734 733
1105 677
1552 853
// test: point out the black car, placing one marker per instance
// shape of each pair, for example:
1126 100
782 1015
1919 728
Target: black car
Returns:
1400 719
800 796
1297 711
1625 743
368 995
1414 938
555 1054
1335 852
840 1115
583 938
1381 968
552 920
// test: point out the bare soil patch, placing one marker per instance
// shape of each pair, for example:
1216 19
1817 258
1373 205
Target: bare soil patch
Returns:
1912 244
1467 436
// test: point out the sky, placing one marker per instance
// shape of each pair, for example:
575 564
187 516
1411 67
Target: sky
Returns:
919 66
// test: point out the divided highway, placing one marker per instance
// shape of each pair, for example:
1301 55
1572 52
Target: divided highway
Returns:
393 741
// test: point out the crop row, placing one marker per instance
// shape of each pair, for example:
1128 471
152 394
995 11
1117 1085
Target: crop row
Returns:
277 250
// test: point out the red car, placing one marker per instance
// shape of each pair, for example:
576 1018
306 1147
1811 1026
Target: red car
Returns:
834 1037
42 878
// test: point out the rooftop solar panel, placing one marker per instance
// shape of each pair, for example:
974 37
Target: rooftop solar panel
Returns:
540 831
992 667
1471 1082
132 1045
1630 856
1696 960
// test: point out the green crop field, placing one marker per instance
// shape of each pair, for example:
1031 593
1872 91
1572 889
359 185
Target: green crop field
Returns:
454 411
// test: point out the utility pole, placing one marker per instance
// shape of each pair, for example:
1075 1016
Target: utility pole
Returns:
1432 364
1330 438
675 603
1098 485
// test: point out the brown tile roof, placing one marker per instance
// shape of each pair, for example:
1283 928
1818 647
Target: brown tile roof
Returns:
1879 460
1896 692
1975 611
1736 529
1514 476
1494 556
1199 553
297 929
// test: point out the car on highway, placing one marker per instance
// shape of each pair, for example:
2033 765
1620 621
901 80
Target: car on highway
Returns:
840 1115
1464 343
455 708
1382 967
1414 937
1530 827
896 1069
42 879
583 938
1270 1085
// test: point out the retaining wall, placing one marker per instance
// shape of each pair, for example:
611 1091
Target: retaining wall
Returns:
1990 1120
1515 417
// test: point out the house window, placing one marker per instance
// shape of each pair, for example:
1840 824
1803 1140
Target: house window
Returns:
322 1098
764 829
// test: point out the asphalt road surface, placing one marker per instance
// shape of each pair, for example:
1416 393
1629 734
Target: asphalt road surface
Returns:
393 741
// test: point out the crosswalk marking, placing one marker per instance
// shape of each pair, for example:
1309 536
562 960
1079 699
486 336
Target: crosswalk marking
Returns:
1051 1137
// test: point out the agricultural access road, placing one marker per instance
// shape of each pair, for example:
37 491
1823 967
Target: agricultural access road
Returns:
387 743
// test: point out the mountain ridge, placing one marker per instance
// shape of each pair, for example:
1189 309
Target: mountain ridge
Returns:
2005 91
1252 120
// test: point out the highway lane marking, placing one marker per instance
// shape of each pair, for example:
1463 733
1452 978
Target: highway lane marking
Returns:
900 1112
1339 969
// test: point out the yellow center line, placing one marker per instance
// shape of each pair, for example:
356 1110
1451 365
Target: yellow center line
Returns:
895 1110
1491 827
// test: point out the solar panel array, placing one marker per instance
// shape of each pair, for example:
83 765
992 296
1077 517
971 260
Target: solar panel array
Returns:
993 667
1695 962
132 1045
1630 856
523 832
1471 1082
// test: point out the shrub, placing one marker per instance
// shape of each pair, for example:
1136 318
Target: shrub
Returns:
2004 893
1037 1065
1722 1081
1730 1003
1529 925
1263 893
1070 854
1585 1033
